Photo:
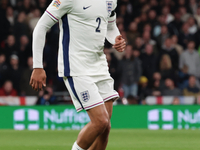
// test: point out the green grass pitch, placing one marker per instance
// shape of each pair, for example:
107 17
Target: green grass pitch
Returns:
122 139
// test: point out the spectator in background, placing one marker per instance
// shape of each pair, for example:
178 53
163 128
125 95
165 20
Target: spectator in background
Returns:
168 16
191 89
145 8
136 54
120 27
181 3
190 58
130 70
146 37
3 68
10 16
13 3
158 78
175 44
133 33
183 77
119 20
163 36
175 26
152 18
139 44
3 65
7 89
156 90
193 6
42 5
34 19
170 50
40 95
197 16
184 14
147 28
149 60
14 72
137 20
192 25
143 21
157 28
24 50
124 12
185 36
20 27
143 91
166 69
4 25
26 89
170 89
48 98
167 3
26 6
10 47
154 5
176 101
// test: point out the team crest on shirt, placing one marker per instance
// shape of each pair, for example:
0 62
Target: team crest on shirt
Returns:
85 96
109 7
57 3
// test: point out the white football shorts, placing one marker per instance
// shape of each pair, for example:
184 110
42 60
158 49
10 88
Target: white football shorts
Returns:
90 91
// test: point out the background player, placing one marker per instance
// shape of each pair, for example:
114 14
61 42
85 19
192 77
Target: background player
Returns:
82 63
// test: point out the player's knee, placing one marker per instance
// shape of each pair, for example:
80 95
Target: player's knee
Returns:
102 125
107 130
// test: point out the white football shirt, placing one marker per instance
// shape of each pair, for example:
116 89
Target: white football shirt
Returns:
83 28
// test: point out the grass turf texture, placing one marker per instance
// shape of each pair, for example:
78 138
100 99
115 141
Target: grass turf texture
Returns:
127 139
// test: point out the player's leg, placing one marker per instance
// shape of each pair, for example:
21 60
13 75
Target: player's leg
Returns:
99 122
85 95
105 86
102 140
89 94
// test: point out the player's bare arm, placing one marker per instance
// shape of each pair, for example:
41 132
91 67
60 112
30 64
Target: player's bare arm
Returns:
120 44
38 79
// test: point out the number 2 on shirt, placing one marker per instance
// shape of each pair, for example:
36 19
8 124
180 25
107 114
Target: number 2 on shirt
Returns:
99 23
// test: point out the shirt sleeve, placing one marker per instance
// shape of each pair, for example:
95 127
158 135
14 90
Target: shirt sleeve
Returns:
39 34
112 30
59 8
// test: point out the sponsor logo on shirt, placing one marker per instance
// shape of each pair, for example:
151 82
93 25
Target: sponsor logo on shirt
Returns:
85 96
57 3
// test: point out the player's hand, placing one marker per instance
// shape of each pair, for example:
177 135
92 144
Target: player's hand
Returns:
120 44
38 79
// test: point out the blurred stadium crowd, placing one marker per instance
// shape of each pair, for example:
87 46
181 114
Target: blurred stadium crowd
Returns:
162 57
